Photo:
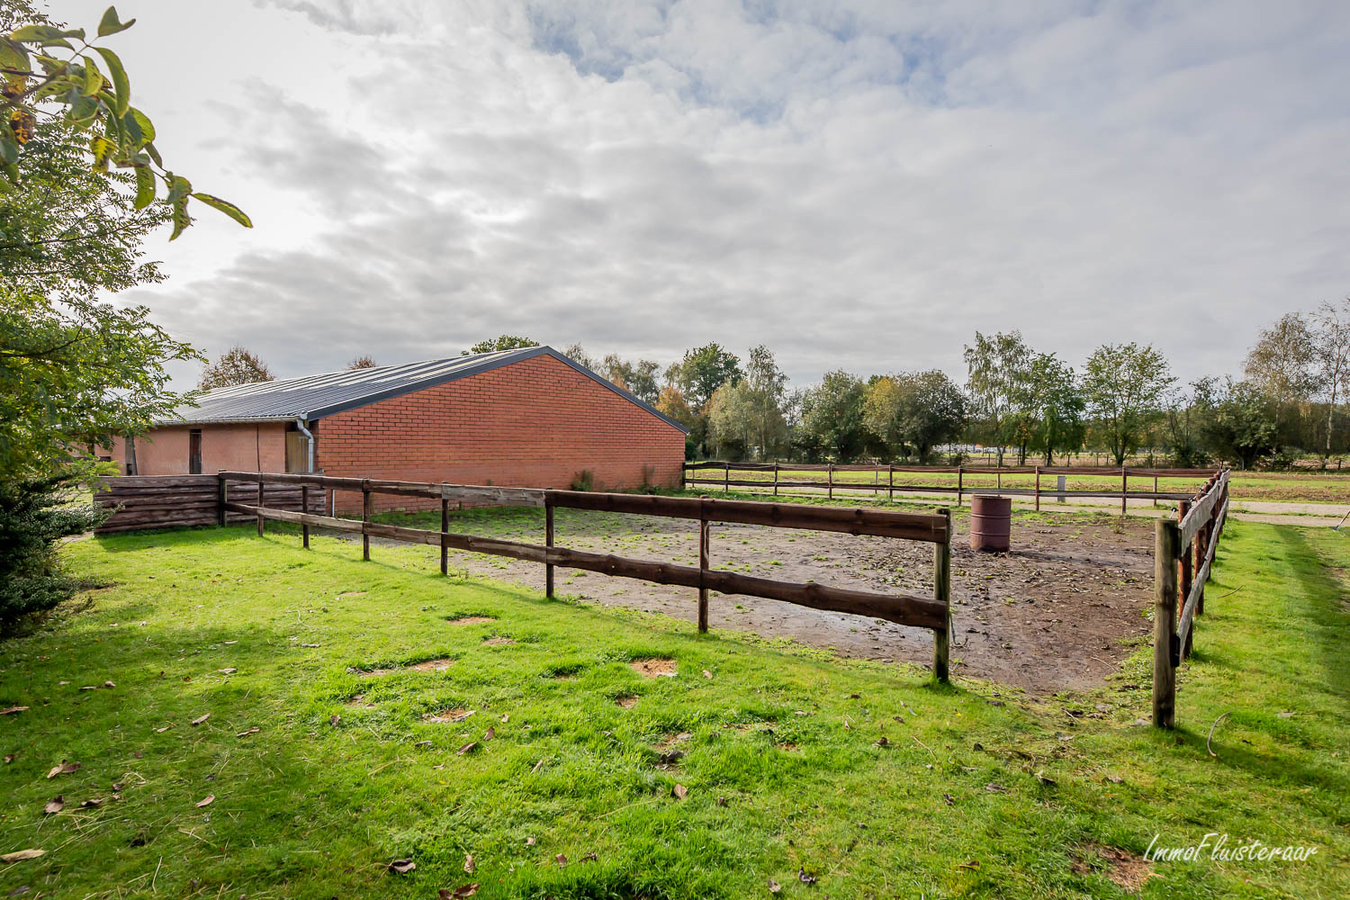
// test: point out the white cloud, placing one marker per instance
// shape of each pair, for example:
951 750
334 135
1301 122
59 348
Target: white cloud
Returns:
856 185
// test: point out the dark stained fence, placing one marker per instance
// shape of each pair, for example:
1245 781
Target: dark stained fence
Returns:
933 613
144 502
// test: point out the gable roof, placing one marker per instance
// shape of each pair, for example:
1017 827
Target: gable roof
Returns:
315 396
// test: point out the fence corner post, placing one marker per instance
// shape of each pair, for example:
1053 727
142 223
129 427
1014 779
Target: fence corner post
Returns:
1166 554
365 520
704 557
942 592
548 542
222 497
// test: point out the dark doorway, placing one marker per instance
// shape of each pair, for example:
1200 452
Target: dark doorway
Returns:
195 451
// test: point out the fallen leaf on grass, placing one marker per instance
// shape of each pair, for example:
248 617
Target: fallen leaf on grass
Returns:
92 803
995 788
948 798
882 741
54 806
506 717
206 801
529 842
109 684
334 719
805 877
402 866
467 748
707 674
537 766
118 788
560 860
64 769
20 856
972 865
1115 779
491 733
9 758
310 646
774 887
11 710
721 801
591 857
227 671
254 730
459 893
201 719
469 864
680 791
164 729
1045 779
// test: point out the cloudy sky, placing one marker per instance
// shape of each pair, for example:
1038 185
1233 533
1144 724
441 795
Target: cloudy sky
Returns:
855 184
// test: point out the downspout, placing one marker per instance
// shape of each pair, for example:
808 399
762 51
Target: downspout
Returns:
309 438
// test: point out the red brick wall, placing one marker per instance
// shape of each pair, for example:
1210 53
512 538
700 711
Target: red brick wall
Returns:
259 447
534 423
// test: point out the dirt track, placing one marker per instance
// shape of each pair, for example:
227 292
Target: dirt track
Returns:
1050 615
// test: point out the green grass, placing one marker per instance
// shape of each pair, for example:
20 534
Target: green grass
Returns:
312 807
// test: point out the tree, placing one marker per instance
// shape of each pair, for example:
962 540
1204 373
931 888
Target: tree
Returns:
499 343
1283 365
765 390
235 366
1331 353
1240 424
672 405
361 362
579 356
998 368
1053 402
729 419
919 410
39 84
702 371
832 412
883 413
638 379
1125 386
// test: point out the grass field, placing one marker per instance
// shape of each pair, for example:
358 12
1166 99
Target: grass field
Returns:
570 752
1280 487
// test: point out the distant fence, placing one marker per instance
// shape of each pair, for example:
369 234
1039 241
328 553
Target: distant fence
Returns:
933 613
1184 552
142 502
789 478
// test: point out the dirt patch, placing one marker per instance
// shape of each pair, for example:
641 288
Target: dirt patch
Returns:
1125 869
499 641
360 700
448 716
1058 612
345 594
670 741
654 668
627 702
471 620
430 665
786 746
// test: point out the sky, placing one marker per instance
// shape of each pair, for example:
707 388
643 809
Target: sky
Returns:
857 185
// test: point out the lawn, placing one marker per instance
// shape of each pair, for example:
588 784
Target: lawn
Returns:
322 763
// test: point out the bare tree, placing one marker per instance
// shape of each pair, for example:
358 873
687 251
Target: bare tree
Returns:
361 362
1331 350
235 366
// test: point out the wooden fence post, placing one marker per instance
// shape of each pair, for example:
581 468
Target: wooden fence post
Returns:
365 520
222 497
704 560
829 477
942 592
304 508
1166 550
775 479
1186 571
890 483
548 542
260 505
1124 487
1038 489
960 482
726 478
1155 491
445 529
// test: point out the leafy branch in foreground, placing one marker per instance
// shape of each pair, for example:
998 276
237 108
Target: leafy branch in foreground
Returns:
74 88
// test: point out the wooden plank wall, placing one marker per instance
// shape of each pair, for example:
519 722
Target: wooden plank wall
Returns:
183 501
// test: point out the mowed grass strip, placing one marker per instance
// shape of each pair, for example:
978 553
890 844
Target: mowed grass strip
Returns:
556 749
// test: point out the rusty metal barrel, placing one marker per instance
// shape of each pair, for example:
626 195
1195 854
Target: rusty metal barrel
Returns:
990 523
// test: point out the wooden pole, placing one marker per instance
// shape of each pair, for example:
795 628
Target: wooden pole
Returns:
942 592
1187 572
1155 491
1124 487
890 483
704 561
548 542
222 497
876 481
304 507
365 519
775 479
260 506
1166 549
1038 489
960 482
726 478
445 529
829 475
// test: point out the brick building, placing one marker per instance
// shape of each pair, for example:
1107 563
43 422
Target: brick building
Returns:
525 418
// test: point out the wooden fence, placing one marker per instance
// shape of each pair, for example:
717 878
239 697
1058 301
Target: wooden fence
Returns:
933 613
180 501
786 478
1184 552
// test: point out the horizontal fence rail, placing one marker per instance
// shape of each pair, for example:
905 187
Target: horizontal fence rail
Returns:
140 502
933 612
1184 553
789 477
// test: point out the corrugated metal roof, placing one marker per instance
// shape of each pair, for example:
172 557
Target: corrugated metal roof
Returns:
315 396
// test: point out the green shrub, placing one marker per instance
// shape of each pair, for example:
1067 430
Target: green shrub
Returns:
583 480
34 516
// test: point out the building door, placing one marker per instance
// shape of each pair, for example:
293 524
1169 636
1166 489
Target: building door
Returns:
195 451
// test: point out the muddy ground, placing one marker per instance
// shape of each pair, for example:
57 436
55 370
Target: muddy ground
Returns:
1058 612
